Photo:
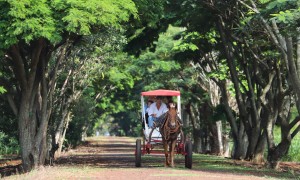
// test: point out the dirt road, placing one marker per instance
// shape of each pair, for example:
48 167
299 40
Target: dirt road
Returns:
113 158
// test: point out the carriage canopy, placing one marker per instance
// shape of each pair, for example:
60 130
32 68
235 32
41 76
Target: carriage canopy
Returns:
161 92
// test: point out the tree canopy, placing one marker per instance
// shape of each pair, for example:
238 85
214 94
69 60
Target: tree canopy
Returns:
81 65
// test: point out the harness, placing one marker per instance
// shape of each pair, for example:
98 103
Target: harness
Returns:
167 131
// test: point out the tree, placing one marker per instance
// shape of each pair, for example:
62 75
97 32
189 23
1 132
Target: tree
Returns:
31 33
86 62
142 32
117 95
82 121
280 20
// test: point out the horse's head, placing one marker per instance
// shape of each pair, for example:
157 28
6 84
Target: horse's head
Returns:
172 115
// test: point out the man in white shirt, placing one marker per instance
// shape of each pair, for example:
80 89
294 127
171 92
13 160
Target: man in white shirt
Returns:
156 109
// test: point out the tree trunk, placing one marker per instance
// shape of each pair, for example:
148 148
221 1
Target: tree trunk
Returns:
186 124
26 136
260 150
226 149
240 147
215 142
197 132
253 140
220 137
276 153
34 88
62 136
32 135
198 146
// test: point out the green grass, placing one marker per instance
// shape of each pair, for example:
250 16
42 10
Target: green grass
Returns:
294 151
217 164
220 164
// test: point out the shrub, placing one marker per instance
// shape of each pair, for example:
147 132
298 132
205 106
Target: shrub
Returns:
8 145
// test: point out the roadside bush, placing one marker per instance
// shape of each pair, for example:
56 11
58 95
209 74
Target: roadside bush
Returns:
8 145
81 124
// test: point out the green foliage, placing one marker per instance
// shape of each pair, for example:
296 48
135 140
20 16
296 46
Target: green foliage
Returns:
287 16
286 13
27 20
2 90
281 4
160 68
126 123
8 145
82 121
191 40
81 15
219 113
222 73
116 82
8 121
264 1
33 19
150 11
120 78
119 108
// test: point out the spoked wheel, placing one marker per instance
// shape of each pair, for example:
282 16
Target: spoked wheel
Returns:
188 156
138 153
180 144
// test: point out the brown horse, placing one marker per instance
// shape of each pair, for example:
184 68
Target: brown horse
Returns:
170 128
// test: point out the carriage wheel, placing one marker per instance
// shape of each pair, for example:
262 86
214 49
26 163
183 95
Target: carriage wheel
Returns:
138 153
188 156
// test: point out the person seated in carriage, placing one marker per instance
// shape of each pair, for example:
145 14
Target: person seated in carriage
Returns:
158 113
147 107
170 105
156 109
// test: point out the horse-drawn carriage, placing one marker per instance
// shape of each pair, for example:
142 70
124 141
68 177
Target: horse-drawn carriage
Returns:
168 134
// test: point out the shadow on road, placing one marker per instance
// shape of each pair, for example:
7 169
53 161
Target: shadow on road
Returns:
118 152
108 152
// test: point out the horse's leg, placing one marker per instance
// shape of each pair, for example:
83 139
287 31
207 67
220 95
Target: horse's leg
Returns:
173 143
166 154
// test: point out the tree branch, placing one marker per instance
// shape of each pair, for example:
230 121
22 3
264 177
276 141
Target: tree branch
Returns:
18 64
294 122
63 88
298 54
12 104
295 131
53 73
292 67
274 37
267 87
35 58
